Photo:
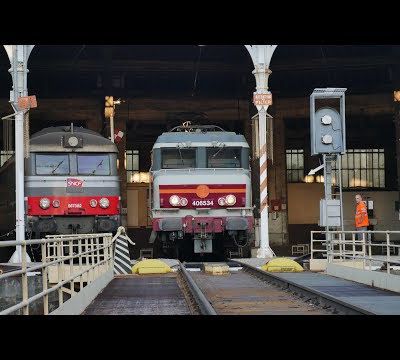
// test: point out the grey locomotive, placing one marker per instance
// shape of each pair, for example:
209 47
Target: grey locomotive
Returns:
201 192
71 184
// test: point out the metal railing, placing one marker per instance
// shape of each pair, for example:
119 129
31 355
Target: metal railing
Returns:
338 246
73 260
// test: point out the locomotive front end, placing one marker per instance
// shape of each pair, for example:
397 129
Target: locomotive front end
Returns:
201 200
72 184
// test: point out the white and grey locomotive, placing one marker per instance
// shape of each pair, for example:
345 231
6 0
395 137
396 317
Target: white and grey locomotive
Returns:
71 184
201 192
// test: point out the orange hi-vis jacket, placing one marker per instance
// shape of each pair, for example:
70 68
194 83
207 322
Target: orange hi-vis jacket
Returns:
361 215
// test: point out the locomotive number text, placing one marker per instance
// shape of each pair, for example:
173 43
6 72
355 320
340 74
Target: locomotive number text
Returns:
203 202
74 206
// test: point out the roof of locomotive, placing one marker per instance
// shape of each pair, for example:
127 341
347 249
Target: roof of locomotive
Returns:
201 138
50 139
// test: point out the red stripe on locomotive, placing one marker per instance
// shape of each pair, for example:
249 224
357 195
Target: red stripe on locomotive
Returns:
73 205
203 195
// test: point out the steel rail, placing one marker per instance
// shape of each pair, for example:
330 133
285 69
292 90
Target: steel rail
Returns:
200 299
316 296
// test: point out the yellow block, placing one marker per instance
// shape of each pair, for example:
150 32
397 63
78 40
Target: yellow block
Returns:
151 266
282 265
216 269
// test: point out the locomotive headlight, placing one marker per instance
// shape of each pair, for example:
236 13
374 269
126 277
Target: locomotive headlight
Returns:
183 201
221 201
174 200
104 203
56 203
93 203
44 203
230 200
73 141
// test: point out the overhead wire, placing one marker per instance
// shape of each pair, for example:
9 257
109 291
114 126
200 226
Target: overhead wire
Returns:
197 69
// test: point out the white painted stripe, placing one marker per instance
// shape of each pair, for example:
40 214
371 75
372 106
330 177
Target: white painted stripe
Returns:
123 262
122 243
121 271
122 248
123 266
263 159
123 255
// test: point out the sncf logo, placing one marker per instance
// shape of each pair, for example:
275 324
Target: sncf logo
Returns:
71 182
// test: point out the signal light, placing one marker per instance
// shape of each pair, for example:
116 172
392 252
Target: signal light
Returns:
56 203
109 101
109 107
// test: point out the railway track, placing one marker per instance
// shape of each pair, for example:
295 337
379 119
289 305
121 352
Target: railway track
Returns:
168 294
246 290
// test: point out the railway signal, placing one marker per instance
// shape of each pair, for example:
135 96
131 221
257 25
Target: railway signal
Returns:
328 138
109 112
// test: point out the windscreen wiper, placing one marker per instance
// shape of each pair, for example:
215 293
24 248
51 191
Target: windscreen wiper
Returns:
98 165
180 154
219 150
59 164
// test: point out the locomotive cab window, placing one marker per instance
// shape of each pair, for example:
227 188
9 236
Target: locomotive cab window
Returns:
52 164
93 164
224 157
177 158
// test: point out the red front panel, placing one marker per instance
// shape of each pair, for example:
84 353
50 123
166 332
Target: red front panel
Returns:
202 196
72 205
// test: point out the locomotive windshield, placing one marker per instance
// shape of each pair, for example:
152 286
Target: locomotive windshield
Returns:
224 157
178 158
52 164
93 164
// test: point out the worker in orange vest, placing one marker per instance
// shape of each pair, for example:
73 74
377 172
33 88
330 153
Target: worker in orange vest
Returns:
361 217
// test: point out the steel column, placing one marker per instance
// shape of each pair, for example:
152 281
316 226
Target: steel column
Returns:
261 56
18 56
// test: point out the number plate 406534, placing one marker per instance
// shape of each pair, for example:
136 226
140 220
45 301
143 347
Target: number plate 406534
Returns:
203 202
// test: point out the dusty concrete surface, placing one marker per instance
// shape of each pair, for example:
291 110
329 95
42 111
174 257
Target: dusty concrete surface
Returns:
11 294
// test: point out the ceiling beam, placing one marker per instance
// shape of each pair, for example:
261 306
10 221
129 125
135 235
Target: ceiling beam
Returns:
277 65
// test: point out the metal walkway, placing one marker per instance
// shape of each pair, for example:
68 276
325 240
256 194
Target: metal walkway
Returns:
140 295
371 300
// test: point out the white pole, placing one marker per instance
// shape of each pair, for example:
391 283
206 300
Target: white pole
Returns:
264 249
19 183
112 127
261 56
18 55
